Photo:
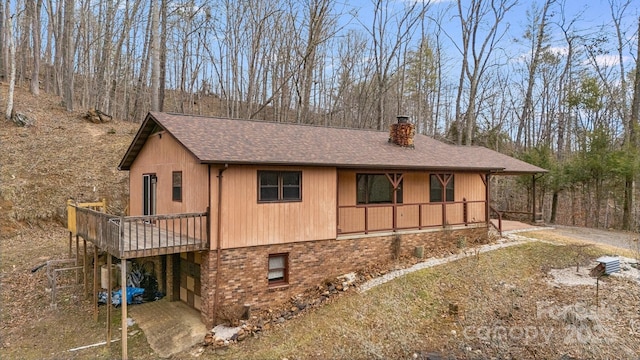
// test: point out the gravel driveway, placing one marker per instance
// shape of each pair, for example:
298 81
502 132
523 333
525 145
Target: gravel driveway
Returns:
619 239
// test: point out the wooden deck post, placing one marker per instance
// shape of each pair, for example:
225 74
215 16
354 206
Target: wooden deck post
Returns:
77 258
70 242
109 300
84 269
123 270
95 283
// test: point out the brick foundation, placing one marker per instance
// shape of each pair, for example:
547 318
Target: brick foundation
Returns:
243 277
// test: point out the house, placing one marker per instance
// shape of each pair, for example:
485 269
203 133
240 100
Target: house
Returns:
266 210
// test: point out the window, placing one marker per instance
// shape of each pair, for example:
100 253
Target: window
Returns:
378 189
177 186
278 269
441 187
279 186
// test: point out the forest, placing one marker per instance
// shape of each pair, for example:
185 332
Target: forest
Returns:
539 80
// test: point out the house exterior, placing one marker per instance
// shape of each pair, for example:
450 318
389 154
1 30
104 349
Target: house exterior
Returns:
292 205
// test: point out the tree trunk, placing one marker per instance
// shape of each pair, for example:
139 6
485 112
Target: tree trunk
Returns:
69 52
36 6
12 71
155 57
633 144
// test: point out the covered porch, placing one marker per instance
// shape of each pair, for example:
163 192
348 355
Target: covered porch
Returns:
383 201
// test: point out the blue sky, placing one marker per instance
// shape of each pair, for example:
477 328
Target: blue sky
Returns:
591 16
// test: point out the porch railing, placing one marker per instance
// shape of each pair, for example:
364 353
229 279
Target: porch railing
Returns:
138 236
354 219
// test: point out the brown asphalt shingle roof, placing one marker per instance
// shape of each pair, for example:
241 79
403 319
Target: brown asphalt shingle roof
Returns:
233 141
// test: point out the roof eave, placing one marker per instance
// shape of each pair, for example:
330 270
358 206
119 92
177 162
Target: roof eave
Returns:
354 166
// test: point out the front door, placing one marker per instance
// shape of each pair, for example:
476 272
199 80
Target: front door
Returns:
149 185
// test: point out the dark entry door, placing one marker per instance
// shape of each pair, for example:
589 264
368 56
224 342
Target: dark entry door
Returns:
149 186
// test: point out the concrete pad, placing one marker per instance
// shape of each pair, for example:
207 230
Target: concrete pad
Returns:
171 327
510 226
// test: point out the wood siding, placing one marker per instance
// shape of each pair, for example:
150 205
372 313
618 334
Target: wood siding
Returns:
245 222
162 155
415 207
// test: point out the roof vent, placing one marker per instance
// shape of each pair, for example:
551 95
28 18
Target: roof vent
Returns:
402 132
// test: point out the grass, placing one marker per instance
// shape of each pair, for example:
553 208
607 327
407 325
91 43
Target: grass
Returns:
407 316
410 314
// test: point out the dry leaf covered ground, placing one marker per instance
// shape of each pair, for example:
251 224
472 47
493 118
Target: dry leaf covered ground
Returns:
506 307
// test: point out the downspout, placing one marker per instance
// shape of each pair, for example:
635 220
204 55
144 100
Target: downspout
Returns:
218 242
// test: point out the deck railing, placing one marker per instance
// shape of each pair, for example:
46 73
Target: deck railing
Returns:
138 236
357 219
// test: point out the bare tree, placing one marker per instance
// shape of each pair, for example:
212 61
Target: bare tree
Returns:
34 7
537 34
69 51
390 31
633 144
12 71
155 56
477 47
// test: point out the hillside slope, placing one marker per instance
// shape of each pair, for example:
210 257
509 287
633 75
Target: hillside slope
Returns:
61 157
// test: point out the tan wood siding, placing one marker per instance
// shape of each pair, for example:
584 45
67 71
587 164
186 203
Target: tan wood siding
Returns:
408 216
347 188
162 155
245 222
415 187
432 215
471 187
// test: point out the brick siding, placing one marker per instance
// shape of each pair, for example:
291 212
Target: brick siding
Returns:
243 275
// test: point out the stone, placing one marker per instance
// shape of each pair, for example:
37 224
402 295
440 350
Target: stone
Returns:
280 320
294 309
241 337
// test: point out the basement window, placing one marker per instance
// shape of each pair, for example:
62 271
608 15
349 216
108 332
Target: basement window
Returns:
378 189
441 188
278 269
274 186
176 188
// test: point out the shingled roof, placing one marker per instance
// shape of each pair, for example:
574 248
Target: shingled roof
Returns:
233 141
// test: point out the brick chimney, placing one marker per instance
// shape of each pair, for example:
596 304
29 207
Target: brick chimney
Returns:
402 132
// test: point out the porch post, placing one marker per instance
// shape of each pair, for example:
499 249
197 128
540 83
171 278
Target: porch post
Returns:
487 196
533 206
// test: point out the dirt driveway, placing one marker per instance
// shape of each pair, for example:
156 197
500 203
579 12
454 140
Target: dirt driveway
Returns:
624 240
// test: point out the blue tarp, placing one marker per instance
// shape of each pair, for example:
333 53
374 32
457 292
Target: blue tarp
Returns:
134 296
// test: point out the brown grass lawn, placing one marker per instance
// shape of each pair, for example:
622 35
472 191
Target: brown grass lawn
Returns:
506 310
504 313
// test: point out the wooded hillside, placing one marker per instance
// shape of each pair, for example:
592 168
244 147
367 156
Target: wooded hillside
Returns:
536 80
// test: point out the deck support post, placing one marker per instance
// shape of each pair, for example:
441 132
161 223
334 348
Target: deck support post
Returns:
109 271
95 283
70 242
123 299
77 257
85 285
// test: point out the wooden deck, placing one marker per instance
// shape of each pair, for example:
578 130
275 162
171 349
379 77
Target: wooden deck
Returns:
129 237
